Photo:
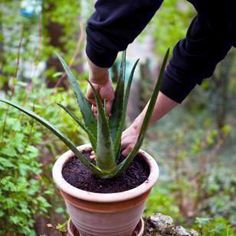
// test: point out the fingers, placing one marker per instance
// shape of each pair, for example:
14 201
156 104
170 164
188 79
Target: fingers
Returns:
127 150
129 139
92 156
94 110
126 145
108 108
90 96
106 92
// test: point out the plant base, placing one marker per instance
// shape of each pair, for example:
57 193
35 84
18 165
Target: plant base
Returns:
72 231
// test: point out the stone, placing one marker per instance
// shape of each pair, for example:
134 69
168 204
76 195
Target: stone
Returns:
162 225
181 231
162 222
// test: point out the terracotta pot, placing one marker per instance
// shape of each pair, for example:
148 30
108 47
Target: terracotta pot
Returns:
104 214
72 231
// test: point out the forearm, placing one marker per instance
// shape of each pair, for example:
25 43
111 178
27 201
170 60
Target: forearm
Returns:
130 136
163 105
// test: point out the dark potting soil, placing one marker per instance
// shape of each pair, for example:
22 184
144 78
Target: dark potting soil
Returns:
81 177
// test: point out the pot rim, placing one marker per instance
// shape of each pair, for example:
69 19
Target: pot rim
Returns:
103 197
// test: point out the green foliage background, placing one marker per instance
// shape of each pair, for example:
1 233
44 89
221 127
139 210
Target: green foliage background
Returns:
194 145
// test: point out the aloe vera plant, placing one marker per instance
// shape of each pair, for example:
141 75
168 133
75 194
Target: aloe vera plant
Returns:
104 132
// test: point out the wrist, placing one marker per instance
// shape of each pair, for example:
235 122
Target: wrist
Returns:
98 75
99 80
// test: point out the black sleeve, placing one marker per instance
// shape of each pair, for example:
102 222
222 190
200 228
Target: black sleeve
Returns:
115 24
194 59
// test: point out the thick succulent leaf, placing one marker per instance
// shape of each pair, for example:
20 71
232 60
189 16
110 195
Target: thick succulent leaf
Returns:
117 105
124 110
58 133
84 105
127 161
104 150
77 120
128 86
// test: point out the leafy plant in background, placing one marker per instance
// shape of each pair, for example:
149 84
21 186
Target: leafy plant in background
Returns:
26 168
27 44
20 182
171 24
160 200
104 134
217 227
219 192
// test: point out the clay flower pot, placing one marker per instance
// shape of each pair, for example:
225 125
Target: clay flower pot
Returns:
104 214
72 231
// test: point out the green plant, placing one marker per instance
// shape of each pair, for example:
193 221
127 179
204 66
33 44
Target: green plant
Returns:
214 227
160 200
27 153
22 193
171 23
104 133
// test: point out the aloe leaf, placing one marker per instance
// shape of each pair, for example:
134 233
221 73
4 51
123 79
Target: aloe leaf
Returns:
104 150
117 105
128 86
127 161
124 110
77 120
58 133
84 105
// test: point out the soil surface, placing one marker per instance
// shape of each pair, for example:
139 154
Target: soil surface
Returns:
81 177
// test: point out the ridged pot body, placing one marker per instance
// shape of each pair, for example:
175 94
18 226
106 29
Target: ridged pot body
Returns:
104 214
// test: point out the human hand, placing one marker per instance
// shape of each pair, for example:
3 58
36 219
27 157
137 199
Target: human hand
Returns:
129 138
99 77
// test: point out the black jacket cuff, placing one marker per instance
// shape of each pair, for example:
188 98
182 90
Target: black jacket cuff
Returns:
101 58
174 89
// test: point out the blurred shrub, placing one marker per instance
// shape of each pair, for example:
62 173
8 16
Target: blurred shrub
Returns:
21 195
162 201
27 153
171 23
220 189
27 68
28 42
214 227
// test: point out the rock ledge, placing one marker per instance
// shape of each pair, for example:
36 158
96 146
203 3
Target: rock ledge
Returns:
162 225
